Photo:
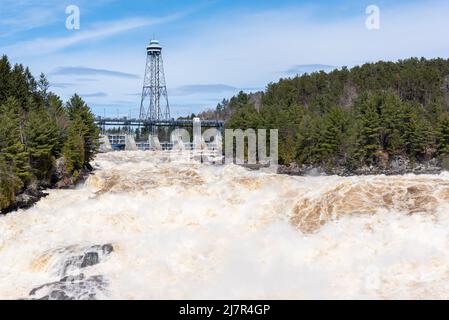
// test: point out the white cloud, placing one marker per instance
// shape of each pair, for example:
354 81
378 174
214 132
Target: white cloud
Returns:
22 15
43 46
252 49
201 89
86 71
249 50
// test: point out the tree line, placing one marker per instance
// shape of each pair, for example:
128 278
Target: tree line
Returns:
36 129
364 116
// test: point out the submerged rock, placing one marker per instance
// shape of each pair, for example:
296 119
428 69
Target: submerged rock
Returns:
90 259
71 288
74 258
68 263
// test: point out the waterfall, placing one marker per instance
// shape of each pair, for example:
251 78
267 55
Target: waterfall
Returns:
148 225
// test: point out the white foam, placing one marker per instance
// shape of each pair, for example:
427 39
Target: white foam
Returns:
185 230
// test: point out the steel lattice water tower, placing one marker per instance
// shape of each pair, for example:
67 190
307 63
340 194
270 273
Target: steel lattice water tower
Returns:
154 104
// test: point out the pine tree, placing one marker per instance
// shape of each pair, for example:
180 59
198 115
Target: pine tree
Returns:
309 139
35 129
392 122
57 114
369 124
442 138
77 107
5 79
334 131
73 149
20 84
443 135
12 140
42 139
424 143
43 85
10 184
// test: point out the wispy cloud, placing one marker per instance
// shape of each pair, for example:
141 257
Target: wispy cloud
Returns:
230 46
61 85
20 15
92 72
239 46
23 15
42 46
86 79
201 89
94 95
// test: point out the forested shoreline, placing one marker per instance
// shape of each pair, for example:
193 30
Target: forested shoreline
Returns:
384 117
43 142
371 118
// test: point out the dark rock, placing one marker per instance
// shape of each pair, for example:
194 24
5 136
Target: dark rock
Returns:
397 166
74 287
58 295
71 288
61 180
28 198
25 200
90 259
59 171
107 248
75 258
73 278
89 167
58 179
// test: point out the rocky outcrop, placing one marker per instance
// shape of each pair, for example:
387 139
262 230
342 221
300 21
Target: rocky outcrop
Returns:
397 166
59 170
61 180
68 262
71 288
58 180
74 258
25 200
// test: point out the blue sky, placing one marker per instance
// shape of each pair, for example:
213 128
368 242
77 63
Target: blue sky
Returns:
212 49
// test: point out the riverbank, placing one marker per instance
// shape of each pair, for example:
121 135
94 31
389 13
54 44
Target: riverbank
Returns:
35 192
397 167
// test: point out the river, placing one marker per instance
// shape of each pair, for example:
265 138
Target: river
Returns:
145 226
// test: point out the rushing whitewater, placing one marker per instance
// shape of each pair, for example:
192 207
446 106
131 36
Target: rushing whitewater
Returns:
145 226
